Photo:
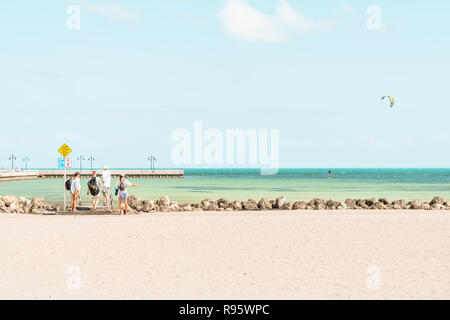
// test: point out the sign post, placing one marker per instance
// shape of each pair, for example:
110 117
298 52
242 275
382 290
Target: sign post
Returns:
65 151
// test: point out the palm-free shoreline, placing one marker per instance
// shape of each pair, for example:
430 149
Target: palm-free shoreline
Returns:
13 204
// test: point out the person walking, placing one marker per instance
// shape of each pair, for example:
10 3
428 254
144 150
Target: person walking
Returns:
122 192
94 187
106 190
75 191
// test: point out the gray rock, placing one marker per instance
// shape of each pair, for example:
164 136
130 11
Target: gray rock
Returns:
235 205
342 206
38 211
360 203
39 203
250 205
174 207
131 211
7 210
370 202
148 205
299 205
133 201
212 207
415 205
437 206
438 200
27 209
186 208
350 202
317 204
163 209
288 205
163 201
264 204
331 204
14 206
401 203
8 199
222 203
279 202
206 203
140 206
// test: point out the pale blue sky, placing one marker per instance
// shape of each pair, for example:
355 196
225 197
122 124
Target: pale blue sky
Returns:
135 72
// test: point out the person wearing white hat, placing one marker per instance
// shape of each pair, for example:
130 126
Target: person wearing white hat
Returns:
106 180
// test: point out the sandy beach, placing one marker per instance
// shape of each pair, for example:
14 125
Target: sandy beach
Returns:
237 255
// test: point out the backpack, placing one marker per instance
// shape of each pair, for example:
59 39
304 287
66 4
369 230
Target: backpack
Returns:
69 184
93 186
122 186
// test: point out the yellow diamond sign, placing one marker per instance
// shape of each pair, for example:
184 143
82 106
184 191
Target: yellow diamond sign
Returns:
64 150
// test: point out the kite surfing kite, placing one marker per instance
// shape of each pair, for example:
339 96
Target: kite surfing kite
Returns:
391 99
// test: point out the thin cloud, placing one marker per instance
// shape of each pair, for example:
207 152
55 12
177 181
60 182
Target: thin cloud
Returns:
111 11
346 10
242 21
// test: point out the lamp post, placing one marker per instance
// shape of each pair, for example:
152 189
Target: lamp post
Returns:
91 159
12 158
26 159
152 160
81 158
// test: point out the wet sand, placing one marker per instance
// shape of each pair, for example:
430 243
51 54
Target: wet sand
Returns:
256 255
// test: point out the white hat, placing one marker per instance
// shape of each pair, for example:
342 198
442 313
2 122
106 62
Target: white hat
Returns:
105 167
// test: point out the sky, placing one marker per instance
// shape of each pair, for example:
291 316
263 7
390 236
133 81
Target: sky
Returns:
137 71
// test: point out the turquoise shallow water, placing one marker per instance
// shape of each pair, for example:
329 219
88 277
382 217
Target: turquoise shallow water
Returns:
242 184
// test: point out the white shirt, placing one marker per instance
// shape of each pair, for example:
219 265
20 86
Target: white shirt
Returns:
76 185
106 178
126 183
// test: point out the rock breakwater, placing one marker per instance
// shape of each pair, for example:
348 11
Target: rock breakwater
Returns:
164 204
13 204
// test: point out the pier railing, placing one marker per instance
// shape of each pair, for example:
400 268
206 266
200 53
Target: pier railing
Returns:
139 173
115 173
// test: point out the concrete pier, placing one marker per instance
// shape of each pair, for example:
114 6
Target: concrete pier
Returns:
11 175
131 173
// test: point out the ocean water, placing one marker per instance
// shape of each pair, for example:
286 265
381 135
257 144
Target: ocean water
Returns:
242 184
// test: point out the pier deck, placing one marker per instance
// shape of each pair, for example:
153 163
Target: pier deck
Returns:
131 173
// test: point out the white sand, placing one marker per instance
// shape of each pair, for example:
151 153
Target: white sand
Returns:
283 255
